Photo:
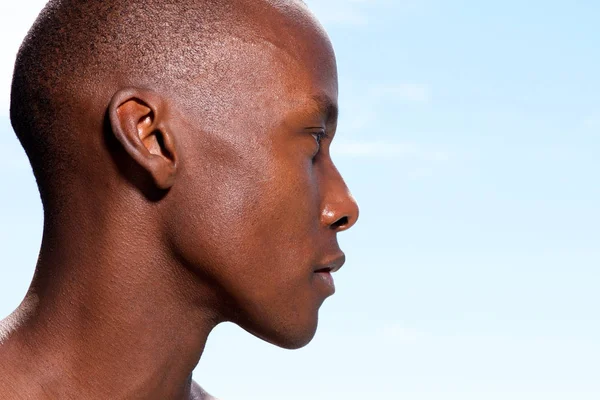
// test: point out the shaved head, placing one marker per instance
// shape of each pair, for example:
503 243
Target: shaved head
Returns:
79 52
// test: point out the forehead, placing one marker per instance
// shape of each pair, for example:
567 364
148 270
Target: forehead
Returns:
301 61
280 57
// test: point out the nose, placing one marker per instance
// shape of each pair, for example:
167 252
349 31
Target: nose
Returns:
340 210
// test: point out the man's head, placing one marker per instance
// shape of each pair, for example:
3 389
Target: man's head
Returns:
198 128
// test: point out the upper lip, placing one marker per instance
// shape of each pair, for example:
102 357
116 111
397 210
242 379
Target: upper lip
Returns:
331 265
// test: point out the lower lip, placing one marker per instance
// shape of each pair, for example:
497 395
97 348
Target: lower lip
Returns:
327 281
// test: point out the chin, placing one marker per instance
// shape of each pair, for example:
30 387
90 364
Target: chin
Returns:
287 335
295 342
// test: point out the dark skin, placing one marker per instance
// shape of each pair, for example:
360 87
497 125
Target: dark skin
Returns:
178 225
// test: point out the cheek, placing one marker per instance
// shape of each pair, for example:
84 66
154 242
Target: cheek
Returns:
249 226
250 220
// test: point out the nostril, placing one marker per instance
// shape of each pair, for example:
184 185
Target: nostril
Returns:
340 223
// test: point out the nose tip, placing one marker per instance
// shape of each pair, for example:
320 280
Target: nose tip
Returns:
343 215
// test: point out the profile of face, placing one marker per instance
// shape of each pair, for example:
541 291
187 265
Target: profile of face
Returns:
257 202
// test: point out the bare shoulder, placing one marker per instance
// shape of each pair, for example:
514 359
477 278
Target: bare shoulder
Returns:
197 393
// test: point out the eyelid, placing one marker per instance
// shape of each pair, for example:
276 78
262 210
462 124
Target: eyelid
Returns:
320 134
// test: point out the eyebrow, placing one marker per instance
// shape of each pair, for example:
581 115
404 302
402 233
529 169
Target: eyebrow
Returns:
326 106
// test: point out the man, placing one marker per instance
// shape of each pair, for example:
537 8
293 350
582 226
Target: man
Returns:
181 150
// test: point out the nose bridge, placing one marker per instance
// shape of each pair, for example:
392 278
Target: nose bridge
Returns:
339 209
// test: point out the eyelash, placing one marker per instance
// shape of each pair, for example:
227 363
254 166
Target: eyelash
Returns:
319 136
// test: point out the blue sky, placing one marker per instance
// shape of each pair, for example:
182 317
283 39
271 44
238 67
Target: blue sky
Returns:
469 133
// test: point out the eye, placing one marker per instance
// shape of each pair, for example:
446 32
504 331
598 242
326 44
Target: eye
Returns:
319 136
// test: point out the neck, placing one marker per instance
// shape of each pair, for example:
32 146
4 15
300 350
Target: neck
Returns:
108 317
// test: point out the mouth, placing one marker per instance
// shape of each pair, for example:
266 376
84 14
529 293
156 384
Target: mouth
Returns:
332 265
323 273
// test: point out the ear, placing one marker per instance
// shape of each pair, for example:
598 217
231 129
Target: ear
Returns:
138 119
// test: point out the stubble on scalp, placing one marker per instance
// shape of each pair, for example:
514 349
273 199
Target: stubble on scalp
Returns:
79 52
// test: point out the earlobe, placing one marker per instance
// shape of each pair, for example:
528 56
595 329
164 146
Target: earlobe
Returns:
139 121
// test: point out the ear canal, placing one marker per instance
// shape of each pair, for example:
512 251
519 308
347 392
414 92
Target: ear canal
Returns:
165 144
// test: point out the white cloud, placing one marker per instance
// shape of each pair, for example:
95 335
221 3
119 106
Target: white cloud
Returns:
15 20
383 149
347 16
345 12
406 92
364 107
355 12
364 111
